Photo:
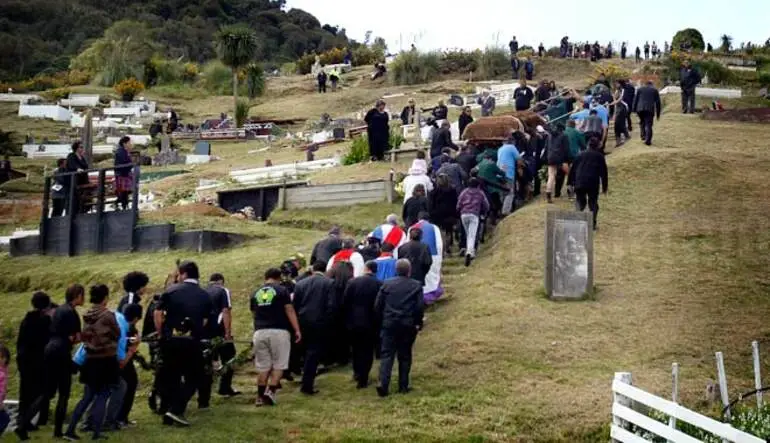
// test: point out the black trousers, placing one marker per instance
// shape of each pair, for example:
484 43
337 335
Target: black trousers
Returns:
396 342
226 352
58 205
57 382
688 101
31 386
322 87
128 373
181 372
314 341
364 342
590 197
122 199
646 119
559 182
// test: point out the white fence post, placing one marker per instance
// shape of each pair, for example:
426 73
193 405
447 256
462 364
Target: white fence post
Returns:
757 372
723 383
623 377
674 391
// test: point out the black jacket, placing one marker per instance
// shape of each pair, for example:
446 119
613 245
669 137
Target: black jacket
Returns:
314 301
464 121
689 78
558 149
542 93
647 100
588 169
359 299
412 209
400 304
467 161
442 204
377 129
325 249
34 332
523 97
442 139
73 164
419 256
440 112
629 92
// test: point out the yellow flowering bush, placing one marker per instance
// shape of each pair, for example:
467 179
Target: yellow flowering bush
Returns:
128 88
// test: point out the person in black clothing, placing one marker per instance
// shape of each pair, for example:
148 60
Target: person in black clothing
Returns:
76 162
440 112
513 45
408 113
638 54
515 66
465 119
523 96
361 321
540 50
325 249
399 306
370 250
314 304
321 77
417 253
132 313
647 106
123 180
274 316
57 361
543 92
442 139
60 188
627 95
688 80
467 158
416 204
181 317
589 168
378 130
442 204
338 348
134 283
34 333
149 332
220 326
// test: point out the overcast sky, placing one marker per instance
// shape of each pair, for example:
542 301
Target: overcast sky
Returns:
478 23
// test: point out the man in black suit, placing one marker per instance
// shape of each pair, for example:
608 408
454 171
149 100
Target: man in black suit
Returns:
688 80
314 305
399 306
647 106
361 322
326 248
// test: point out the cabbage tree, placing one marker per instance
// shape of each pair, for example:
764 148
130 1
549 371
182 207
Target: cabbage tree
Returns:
237 46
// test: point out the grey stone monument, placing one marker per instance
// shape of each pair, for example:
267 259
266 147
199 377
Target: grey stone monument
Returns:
569 255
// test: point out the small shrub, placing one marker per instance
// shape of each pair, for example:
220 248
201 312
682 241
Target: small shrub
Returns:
217 78
553 51
396 138
167 71
717 72
127 89
241 112
255 80
8 146
191 71
359 151
77 77
411 68
612 72
493 63
57 94
305 64
365 55
764 79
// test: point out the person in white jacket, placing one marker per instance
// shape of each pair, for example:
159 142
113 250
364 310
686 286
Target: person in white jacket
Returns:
417 176
349 254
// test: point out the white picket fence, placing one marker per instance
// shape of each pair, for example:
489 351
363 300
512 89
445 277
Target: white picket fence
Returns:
629 401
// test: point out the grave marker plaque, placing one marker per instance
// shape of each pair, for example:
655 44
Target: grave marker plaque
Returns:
568 255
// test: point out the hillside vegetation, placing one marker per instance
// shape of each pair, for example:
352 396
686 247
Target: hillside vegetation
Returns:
42 36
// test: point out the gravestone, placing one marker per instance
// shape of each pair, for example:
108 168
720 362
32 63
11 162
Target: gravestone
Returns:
568 255
202 148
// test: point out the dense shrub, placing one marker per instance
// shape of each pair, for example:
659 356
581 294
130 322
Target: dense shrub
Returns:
717 72
612 72
54 95
167 71
553 51
691 36
289 68
764 79
410 68
8 145
359 152
305 64
455 60
365 55
493 62
191 71
255 80
128 88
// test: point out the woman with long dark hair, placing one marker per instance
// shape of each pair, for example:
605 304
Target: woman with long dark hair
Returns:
339 345
124 182
442 204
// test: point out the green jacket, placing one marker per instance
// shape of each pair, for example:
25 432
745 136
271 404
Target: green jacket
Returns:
577 142
490 174
480 157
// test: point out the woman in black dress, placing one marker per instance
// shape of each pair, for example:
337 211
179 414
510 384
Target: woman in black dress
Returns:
378 130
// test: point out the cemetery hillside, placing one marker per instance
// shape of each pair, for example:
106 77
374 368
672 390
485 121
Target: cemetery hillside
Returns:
239 163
